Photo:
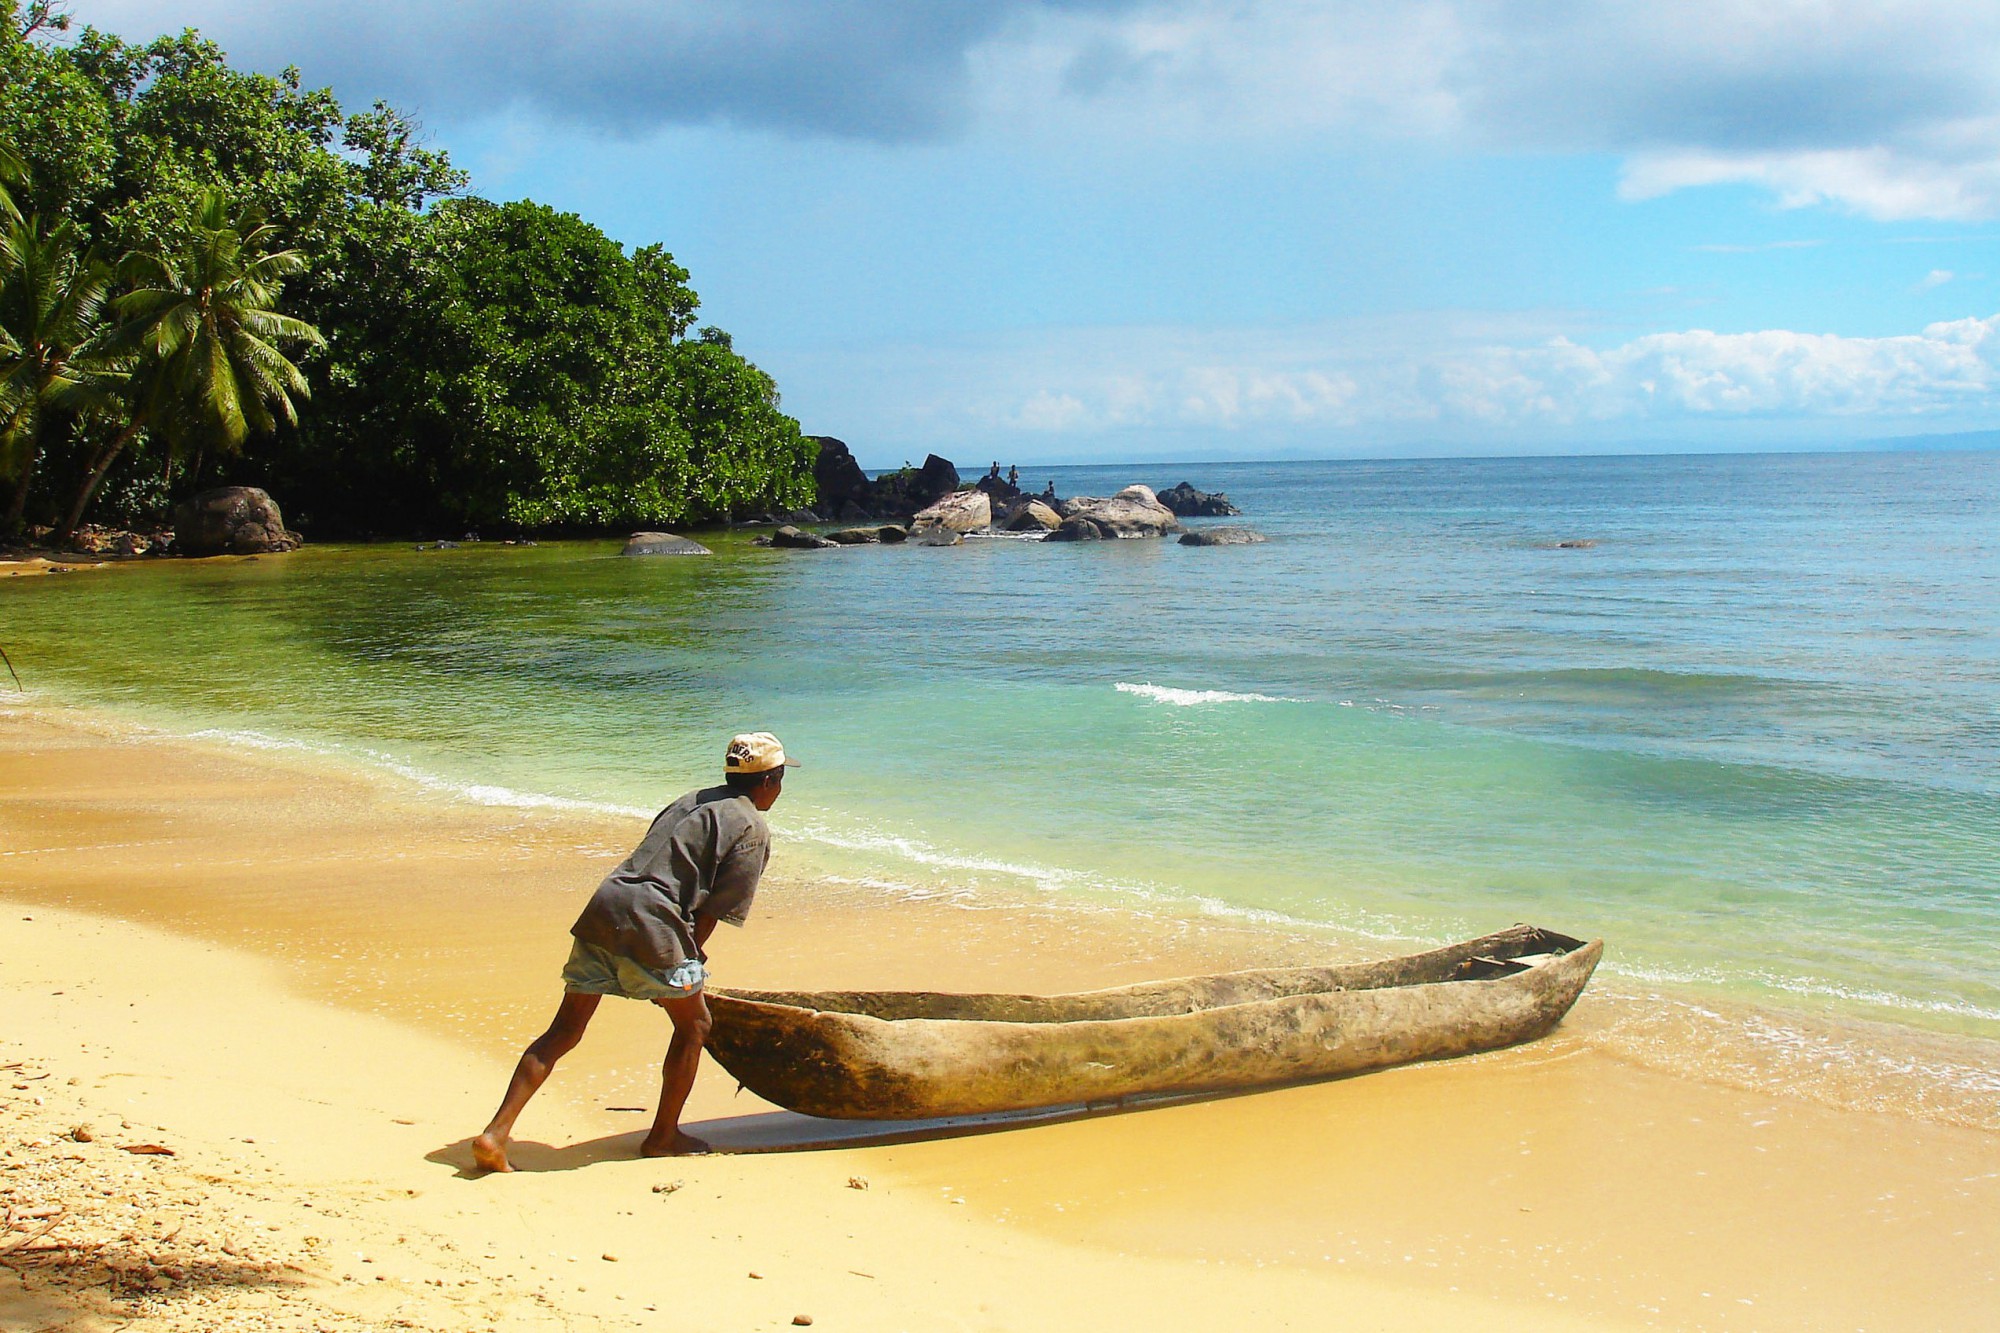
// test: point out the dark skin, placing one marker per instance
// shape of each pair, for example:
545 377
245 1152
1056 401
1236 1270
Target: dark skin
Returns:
691 1021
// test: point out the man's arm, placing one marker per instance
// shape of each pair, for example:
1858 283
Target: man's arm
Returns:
704 926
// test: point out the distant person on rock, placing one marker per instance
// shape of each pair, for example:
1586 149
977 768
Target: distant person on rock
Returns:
1014 478
641 937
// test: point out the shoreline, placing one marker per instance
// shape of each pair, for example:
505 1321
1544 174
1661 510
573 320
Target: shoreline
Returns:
325 897
1879 1059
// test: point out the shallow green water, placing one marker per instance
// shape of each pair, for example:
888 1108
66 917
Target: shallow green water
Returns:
1752 735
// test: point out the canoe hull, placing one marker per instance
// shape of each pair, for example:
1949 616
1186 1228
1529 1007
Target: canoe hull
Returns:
1165 1038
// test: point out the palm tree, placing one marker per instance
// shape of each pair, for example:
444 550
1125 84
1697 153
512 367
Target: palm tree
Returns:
201 330
13 171
51 302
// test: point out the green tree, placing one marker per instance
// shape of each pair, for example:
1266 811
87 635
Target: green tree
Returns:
202 332
51 302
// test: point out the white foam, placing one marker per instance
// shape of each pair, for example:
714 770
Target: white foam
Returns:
1165 694
478 793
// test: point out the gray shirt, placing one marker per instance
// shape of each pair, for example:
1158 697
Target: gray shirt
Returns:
703 856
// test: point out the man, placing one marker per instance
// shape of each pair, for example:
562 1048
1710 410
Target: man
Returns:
641 937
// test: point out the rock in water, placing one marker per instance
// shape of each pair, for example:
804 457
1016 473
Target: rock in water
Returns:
961 511
661 543
1032 516
855 536
937 537
1133 512
902 493
1222 537
1076 530
891 534
792 539
232 520
1188 502
843 489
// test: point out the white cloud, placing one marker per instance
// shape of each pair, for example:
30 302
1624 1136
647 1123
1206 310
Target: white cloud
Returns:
1449 381
1937 277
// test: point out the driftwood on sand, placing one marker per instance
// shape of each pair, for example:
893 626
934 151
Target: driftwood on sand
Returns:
900 1055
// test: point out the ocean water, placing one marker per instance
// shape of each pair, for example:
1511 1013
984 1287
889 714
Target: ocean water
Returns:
1749 732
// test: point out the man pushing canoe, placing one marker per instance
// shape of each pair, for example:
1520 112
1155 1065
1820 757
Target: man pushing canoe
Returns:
641 937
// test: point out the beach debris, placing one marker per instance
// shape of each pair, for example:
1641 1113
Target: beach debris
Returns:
669 1187
609 1258
626 1108
857 1182
81 1134
858 1273
758 1276
147 1149
802 1320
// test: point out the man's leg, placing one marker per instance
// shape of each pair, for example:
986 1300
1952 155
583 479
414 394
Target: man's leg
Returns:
489 1150
691 1024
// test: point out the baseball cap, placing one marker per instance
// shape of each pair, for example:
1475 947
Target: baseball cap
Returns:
755 752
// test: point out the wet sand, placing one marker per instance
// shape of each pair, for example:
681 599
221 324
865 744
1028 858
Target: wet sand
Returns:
281 949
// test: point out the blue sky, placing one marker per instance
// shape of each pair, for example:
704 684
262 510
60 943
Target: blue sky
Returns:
1079 229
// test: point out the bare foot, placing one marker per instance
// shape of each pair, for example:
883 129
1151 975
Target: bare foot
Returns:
681 1145
489 1152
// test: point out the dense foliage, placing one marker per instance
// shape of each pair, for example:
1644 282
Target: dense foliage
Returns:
458 363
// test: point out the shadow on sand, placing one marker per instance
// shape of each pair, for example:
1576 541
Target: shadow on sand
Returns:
786 1131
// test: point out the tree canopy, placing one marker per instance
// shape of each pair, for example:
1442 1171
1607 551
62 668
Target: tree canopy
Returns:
459 362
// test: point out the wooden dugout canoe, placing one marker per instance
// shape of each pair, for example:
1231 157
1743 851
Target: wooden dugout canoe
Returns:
907 1055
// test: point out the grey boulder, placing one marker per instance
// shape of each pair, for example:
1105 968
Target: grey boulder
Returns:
792 539
961 511
1031 516
232 520
661 543
1222 537
1133 512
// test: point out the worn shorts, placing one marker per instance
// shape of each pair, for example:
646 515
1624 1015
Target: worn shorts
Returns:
594 971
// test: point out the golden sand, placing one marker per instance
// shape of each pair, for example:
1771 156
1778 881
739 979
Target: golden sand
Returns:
311 981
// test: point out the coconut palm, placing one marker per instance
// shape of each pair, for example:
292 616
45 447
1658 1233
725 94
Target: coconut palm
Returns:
12 172
51 306
202 332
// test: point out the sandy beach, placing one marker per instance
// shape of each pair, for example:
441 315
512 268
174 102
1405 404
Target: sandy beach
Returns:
308 982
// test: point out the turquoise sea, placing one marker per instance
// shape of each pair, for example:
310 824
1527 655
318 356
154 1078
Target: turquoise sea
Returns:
1749 733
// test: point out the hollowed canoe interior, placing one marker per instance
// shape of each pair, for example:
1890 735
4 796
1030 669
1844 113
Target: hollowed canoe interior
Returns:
1508 953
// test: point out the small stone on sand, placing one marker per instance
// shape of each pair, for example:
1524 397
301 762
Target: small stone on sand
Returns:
802 1319
610 1258
857 1182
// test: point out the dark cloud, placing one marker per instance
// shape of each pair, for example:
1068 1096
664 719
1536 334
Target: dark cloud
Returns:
1724 75
872 69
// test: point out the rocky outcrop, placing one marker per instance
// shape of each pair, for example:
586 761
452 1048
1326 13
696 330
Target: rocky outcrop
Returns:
1133 512
904 492
1030 516
232 520
1221 537
1188 502
892 534
661 543
843 489
961 511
